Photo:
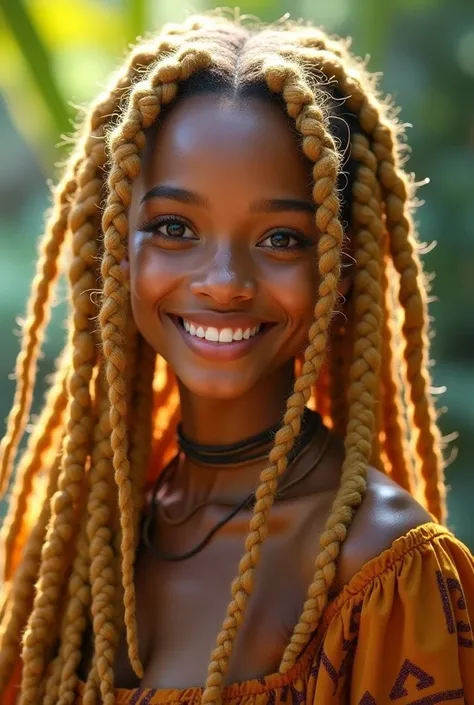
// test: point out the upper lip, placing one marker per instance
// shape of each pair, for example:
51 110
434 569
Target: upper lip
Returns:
219 320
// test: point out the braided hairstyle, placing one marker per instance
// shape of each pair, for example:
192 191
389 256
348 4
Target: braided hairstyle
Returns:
75 557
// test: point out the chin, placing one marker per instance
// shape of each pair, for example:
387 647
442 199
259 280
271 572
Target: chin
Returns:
218 386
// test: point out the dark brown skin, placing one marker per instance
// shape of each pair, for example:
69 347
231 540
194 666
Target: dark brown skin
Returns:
233 155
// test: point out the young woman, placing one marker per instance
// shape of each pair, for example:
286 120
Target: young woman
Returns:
246 415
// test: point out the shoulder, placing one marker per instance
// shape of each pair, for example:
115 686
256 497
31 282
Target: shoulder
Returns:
386 513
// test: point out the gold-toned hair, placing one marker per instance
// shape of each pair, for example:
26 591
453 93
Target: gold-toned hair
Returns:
72 554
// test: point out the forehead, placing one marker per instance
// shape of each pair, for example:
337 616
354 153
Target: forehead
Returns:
218 135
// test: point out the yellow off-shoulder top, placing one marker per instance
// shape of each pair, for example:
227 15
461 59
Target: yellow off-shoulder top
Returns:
400 632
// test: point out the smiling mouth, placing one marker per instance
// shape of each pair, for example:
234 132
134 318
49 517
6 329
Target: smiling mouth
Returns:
225 335
220 335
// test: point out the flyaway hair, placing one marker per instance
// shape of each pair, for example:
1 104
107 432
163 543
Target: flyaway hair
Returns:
71 539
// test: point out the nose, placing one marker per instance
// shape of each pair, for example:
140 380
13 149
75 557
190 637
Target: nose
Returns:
228 278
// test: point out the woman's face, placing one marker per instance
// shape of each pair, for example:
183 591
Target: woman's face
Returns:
222 249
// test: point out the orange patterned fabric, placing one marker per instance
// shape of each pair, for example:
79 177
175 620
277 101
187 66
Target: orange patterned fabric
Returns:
400 632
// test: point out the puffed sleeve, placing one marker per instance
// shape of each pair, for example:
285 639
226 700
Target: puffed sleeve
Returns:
401 631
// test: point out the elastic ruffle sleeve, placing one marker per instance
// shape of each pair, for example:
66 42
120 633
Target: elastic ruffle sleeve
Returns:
401 631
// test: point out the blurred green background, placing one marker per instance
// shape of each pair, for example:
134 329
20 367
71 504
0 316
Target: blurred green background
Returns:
55 55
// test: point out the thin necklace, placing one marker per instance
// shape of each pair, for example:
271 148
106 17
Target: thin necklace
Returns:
312 422
248 502
253 448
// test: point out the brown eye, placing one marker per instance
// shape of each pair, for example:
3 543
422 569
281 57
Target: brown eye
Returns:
285 240
169 228
281 240
175 229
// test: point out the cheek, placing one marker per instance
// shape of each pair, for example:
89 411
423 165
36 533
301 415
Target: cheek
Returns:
296 290
150 277
151 282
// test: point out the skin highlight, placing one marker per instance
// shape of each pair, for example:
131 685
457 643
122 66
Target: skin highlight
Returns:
237 130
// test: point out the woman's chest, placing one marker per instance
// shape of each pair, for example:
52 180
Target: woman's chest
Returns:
181 605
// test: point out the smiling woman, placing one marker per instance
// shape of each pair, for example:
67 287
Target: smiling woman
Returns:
262 353
223 236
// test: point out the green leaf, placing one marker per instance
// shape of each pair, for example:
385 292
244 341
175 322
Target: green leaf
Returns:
135 18
38 60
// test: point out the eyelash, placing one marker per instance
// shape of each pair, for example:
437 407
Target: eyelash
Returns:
303 242
152 227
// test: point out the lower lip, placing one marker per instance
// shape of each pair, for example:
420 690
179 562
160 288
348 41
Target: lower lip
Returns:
218 352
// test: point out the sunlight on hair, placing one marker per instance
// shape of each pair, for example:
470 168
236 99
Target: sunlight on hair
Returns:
78 559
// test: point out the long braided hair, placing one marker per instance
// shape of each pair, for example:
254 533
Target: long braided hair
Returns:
70 541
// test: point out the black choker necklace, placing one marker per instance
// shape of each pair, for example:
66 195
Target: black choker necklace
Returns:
310 423
253 448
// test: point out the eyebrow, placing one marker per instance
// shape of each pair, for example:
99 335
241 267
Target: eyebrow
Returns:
279 205
175 194
270 205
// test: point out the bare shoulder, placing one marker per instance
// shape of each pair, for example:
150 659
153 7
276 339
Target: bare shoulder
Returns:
386 513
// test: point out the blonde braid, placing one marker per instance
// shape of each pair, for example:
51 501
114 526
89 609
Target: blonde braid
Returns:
22 593
377 458
373 119
286 78
40 630
63 678
105 567
37 317
73 625
41 443
83 214
142 432
361 394
47 269
387 439
103 578
337 376
395 429
128 140
415 325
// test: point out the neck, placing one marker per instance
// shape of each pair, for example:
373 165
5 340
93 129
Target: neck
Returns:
225 421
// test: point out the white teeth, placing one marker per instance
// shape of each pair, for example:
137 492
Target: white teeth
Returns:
212 334
225 335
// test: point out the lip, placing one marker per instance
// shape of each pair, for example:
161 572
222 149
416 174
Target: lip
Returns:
221 320
219 352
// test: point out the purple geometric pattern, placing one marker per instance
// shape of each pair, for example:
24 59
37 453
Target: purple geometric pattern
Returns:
367 699
455 586
349 647
297 697
445 602
462 628
148 697
410 669
136 696
333 675
445 696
